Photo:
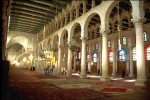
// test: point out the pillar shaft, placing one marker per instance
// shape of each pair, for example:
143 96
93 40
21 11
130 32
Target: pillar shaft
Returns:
69 63
104 76
59 60
114 59
131 71
141 68
83 58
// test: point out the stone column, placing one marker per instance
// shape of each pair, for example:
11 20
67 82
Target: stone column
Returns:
83 58
131 71
100 58
141 68
74 62
127 64
84 7
104 76
69 63
77 12
59 60
71 16
114 58
66 17
90 57
93 3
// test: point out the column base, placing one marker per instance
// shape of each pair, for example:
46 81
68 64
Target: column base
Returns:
114 74
105 78
131 75
83 76
59 73
141 82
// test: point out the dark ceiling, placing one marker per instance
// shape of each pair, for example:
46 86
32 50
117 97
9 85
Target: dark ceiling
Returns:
32 15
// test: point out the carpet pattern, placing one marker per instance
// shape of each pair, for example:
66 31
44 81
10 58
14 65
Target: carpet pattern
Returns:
27 85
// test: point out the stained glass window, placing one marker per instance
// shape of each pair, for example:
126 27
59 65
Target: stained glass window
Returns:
148 52
124 40
108 43
96 46
144 36
88 56
95 56
122 55
79 55
134 53
110 56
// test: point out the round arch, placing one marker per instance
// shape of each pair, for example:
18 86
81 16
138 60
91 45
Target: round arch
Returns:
72 30
20 40
85 27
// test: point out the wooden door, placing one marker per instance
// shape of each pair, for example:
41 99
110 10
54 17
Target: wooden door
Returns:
94 68
121 66
110 68
147 62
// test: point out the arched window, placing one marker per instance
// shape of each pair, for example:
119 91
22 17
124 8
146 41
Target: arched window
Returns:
95 56
122 55
134 54
144 36
87 57
96 46
108 43
110 56
147 52
124 40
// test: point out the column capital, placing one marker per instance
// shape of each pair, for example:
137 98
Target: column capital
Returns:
104 32
83 38
137 20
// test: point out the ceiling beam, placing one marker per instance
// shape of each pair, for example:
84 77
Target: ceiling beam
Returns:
30 14
64 2
27 3
21 30
27 23
22 25
51 4
35 12
20 17
25 20
29 8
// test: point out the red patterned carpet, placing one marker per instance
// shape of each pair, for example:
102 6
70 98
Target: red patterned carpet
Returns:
32 85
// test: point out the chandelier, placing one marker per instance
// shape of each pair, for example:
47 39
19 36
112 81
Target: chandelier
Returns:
73 45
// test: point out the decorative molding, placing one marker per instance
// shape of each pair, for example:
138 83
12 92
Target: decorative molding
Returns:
104 32
83 38
138 20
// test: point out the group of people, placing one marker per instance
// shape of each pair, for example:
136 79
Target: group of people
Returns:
49 69
32 68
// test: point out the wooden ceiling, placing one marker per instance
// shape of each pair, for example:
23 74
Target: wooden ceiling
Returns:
32 15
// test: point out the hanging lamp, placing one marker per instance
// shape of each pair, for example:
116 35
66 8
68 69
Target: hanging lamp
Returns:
118 28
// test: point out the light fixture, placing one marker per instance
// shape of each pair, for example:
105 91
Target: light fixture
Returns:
73 45
24 59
